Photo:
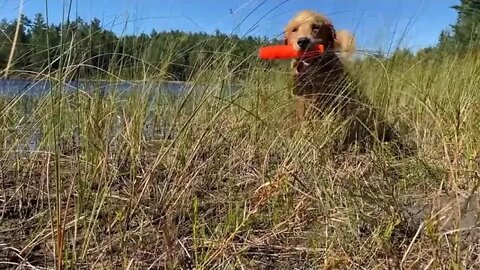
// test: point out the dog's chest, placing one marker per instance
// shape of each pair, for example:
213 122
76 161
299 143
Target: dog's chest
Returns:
323 76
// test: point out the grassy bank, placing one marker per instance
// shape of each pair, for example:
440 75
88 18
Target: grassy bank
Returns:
218 180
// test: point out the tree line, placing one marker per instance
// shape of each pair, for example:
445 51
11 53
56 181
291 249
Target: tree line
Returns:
174 55
96 51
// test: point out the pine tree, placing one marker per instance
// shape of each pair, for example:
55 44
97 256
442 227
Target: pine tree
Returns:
39 44
466 31
5 43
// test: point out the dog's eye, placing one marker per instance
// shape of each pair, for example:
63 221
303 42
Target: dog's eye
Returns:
295 29
315 27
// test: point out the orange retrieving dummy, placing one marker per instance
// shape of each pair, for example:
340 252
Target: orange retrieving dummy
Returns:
287 52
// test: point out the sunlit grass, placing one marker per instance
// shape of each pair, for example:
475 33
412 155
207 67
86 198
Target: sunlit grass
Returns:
214 178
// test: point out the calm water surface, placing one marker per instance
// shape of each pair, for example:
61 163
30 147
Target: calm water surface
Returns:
37 88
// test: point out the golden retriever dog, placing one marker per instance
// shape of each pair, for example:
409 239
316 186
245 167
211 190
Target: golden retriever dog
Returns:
322 84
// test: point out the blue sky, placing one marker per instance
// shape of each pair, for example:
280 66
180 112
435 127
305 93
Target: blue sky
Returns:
376 23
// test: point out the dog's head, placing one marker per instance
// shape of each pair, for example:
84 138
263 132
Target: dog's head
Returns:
308 28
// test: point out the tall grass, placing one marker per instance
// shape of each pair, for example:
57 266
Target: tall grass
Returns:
218 179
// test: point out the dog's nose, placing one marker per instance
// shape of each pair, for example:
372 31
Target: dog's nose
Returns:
303 42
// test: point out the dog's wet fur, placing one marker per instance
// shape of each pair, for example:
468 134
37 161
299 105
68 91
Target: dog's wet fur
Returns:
322 85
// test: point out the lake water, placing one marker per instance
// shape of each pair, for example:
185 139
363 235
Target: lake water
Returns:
37 88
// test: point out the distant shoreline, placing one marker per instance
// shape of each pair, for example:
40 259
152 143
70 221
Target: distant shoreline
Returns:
97 80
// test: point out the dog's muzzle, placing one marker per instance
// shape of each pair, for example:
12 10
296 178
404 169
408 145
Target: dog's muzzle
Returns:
304 43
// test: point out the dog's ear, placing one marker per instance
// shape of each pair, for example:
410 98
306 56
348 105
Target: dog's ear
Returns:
345 43
326 32
286 38
332 30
